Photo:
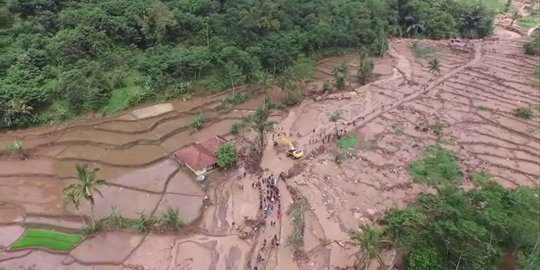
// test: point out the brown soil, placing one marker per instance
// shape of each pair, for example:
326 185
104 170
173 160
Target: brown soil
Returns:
473 97
106 248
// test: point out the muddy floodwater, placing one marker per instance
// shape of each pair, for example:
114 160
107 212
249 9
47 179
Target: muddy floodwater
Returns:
473 98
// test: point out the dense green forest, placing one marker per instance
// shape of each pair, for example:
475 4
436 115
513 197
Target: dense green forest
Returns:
61 58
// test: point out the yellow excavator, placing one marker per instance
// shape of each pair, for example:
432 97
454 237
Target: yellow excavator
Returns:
293 152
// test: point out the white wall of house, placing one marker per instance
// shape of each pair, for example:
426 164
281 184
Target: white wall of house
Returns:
197 172
200 172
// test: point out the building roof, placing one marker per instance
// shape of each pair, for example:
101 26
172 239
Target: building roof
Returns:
213 144
200 155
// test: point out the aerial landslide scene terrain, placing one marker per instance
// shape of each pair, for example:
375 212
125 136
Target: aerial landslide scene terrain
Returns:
269 134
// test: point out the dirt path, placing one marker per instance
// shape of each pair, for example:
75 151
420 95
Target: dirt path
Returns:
419 90
274 164
403 64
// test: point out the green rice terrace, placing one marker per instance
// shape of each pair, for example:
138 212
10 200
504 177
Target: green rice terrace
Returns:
47 239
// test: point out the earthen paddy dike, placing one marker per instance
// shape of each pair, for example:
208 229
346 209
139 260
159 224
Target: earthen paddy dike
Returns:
473 98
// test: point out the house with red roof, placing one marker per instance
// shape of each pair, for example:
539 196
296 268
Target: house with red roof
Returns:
200 157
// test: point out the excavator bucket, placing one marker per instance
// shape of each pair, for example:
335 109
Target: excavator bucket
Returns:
293 152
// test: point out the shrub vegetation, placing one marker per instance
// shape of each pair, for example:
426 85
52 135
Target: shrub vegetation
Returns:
198 121
168 221
533 47
17 148
296 213
226 156
345 147
524 112
474 229
235 99
422 51
438 166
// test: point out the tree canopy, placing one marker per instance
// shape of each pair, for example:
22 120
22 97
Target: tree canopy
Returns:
226 156
62 58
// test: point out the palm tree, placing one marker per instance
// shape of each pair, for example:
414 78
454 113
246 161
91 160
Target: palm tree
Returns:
434 65
262 78
233 74
382 42
414 26
285 81
365 71
259 122
84 189
370 241
15 113
473 23
341 75
20 106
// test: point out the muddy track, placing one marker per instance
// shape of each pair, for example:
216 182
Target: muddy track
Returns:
423 89
150 162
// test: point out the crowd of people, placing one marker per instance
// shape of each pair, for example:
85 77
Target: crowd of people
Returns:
270 212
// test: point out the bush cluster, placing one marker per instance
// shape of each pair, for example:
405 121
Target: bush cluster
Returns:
438 166
474 229
168 221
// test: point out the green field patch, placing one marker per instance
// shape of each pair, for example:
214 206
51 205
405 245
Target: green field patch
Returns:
122 98
529 21
422 50
438 166
57 241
